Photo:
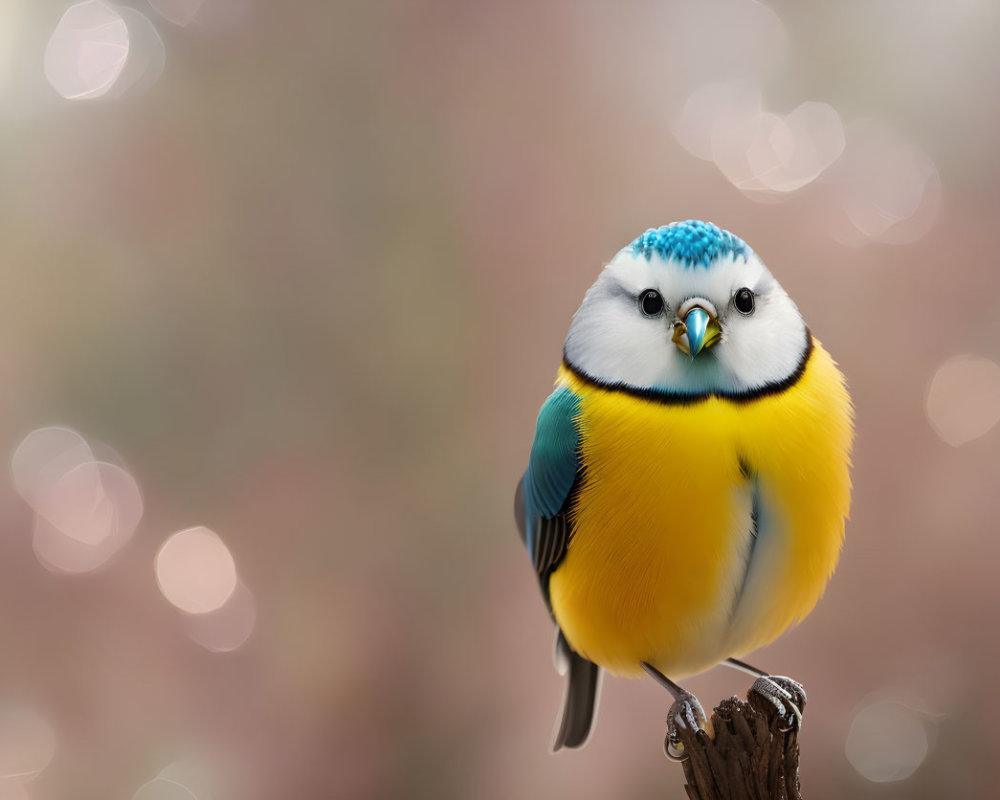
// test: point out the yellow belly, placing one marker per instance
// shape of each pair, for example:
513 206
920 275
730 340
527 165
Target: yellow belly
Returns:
657 569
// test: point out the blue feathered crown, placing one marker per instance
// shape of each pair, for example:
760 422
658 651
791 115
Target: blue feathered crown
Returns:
692 243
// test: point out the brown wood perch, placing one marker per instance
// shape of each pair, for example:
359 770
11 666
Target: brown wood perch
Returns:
749 755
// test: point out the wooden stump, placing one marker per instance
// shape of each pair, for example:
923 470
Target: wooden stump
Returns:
747 757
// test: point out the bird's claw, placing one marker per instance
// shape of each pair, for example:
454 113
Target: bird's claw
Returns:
786 696
685 713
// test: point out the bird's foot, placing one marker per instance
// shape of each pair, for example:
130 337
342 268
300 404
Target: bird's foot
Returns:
782 695
685 714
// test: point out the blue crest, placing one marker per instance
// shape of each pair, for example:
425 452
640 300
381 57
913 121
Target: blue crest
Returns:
693 243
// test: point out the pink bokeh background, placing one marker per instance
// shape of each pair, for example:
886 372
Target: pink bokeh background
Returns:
305 279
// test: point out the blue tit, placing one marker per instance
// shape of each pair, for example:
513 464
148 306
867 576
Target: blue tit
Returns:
688 483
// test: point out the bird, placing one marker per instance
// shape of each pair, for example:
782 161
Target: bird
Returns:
688 482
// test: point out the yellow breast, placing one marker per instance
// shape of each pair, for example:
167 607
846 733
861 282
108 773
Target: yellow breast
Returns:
664 565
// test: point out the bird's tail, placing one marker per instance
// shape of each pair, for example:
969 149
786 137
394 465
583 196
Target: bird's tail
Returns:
580 704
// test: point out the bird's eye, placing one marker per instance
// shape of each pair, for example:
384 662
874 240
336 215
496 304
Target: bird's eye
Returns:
650 303
743 300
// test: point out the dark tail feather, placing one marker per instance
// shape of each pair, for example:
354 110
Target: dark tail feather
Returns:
580 705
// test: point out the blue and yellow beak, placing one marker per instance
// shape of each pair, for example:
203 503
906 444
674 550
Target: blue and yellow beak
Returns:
698 331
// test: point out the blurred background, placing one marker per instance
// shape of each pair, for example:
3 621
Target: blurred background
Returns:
284 286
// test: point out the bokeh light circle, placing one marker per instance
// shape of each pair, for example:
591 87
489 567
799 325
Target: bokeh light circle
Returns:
87 51
761 153
195 570
887 741
85 510
86 518
963 399
766 153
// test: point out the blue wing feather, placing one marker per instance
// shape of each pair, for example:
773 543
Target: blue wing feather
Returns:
554 461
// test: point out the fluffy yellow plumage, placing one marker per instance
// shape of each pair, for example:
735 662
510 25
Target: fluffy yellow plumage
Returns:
655 568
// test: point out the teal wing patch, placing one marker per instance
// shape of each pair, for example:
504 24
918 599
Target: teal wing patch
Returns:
553 469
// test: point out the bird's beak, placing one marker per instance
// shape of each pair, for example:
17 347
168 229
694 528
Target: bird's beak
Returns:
699 331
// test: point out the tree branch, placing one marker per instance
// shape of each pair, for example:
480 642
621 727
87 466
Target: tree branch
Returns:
748 757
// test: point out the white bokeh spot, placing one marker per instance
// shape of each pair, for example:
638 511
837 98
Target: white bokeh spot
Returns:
195 571
761 153
86 510
963 399
887 741
87 51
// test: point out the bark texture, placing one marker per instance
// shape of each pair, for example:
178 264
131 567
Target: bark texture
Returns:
748 756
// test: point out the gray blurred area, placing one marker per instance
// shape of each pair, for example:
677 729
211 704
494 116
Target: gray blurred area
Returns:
297 275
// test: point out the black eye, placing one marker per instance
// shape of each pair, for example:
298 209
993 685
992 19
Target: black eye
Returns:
650 302
743 300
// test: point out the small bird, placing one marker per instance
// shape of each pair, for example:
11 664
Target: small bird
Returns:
688 483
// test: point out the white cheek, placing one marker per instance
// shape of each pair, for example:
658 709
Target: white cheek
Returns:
614 342
765 347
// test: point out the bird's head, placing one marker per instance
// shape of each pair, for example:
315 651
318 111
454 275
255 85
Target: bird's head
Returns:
687 309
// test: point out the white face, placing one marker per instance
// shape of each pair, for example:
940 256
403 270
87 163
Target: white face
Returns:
613 341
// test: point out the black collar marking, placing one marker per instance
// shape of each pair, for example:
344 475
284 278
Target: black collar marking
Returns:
669 398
